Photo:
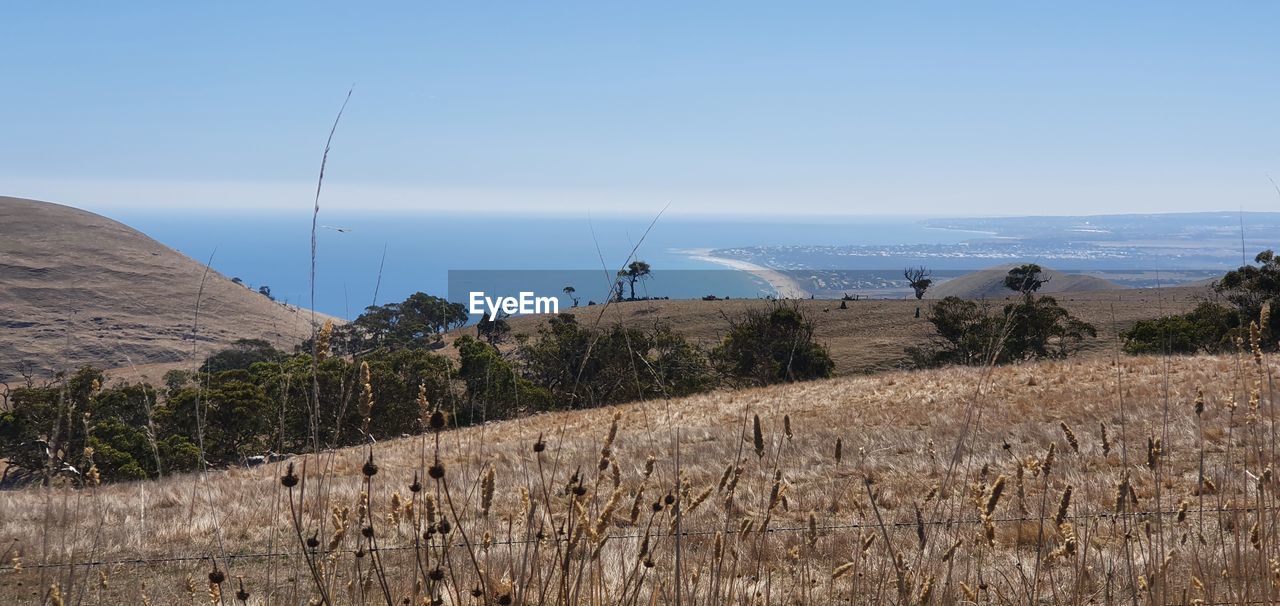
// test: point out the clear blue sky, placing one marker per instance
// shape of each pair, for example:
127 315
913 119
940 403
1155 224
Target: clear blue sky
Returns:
949 108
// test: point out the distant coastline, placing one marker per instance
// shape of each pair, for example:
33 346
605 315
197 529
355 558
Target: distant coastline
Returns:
783 285
980 232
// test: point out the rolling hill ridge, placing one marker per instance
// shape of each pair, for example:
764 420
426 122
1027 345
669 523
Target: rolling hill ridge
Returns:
77 288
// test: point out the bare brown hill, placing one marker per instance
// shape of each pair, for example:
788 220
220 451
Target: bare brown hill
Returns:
77 288
872 335
989 284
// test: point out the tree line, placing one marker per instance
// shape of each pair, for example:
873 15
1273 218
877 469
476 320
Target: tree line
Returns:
371 379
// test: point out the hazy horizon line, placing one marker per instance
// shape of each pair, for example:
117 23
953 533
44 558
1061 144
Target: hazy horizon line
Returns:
277 198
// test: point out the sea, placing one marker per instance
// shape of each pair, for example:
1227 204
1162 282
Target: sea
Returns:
372 259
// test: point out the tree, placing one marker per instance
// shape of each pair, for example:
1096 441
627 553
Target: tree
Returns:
493 331
1025 279
494 389
967 333
569 290
636 271
59 431
242 354
773 345
1040 328
918 277
235 416
67 427
41 433
583 366
1028 329
1250 288
418 321
618 287
1213 327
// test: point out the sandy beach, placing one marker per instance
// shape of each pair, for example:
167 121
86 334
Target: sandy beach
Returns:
784 286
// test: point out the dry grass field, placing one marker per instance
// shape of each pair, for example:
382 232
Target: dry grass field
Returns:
873 335
1065 482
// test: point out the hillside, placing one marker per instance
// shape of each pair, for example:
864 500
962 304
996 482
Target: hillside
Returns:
77 288
989 284
907 426
873 335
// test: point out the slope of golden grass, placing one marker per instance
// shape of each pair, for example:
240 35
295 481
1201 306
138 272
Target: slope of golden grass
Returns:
930 446
77 288
989 284
873 335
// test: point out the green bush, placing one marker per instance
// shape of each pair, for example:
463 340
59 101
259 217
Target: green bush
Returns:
241 355
1208 328
494 388
774 345
972 334
62 429
583 367
418 321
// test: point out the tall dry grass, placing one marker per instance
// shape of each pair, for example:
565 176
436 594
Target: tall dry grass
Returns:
1141 480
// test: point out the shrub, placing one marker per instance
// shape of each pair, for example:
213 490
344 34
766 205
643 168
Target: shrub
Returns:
1252 288
583 367
1032 328
51 430
967 332
773 345
334 419
1208 328
229 412
241 355
494 388
1037 327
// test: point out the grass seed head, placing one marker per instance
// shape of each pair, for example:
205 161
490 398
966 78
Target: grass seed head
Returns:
1064 505
323 339
1255 342
366 398
842 570
993 497
1047 465
757 436
1070 435
486 490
